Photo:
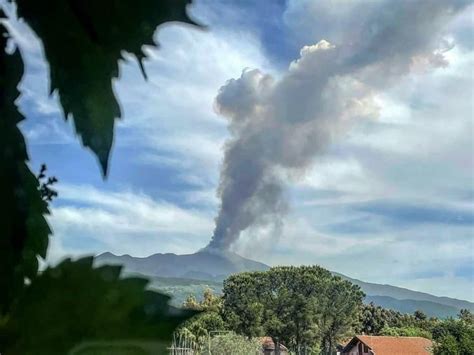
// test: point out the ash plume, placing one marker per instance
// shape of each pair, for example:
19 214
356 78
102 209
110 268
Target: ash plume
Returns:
279 125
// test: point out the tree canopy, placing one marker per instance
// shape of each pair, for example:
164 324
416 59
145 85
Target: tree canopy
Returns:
198 328
454 337
303 307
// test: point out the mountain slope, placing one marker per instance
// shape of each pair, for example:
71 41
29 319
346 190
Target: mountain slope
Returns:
181 275
431 309
204 265
399 293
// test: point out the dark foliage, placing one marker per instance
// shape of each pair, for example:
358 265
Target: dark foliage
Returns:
46 185
24 230
51 312
466 316
74 303
453 337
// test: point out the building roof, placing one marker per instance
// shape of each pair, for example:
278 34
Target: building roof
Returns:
385 345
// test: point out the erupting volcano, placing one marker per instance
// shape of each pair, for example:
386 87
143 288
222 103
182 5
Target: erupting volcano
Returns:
279 126
206 264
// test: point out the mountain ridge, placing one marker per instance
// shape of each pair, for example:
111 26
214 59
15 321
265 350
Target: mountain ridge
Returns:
204 264
410 306
405 293
211 265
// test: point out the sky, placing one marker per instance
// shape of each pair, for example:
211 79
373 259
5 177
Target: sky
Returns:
388 199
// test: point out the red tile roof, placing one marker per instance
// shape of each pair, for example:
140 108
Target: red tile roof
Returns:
385 345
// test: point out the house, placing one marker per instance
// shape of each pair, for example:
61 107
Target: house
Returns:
268 347
385 345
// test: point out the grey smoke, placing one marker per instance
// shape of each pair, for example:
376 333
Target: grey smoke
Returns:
278 126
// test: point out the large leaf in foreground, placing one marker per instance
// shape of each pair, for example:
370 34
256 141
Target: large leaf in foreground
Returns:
83 41
74 303
23 229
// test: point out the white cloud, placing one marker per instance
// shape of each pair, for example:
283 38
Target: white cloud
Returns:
419 148
171 115
345 175
123 222
300 243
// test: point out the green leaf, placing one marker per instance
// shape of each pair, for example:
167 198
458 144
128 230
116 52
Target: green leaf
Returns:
83 42
24 231
75 305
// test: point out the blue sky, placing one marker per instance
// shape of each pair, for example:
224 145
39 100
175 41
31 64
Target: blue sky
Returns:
390 200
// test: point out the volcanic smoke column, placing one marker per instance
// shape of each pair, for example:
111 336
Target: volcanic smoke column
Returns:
278 126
